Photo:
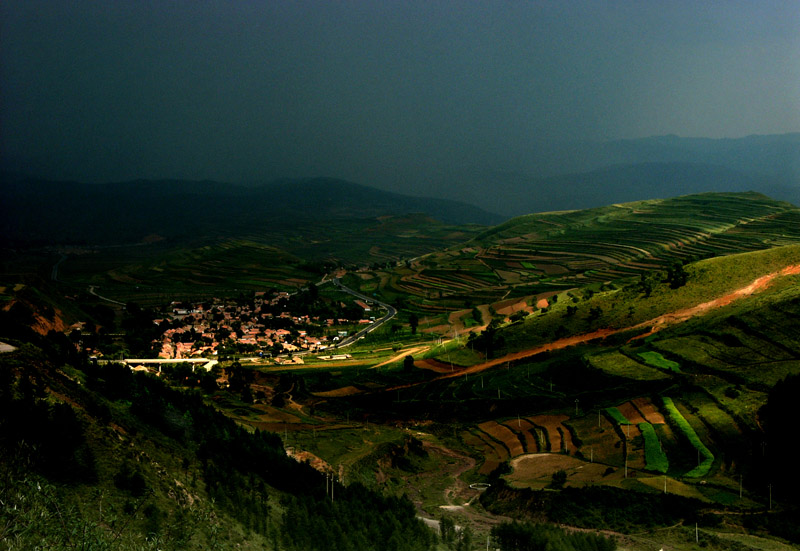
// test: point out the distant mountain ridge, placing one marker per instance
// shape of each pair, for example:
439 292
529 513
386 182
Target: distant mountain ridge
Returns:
578 175
50 211
626 183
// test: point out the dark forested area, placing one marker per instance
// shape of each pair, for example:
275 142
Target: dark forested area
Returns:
55 423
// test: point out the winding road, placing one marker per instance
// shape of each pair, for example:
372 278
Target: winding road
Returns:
391 312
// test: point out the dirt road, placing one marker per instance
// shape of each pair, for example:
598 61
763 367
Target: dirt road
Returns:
655 324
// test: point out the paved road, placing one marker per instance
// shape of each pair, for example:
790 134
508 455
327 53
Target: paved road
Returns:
111 300
54 272
391 312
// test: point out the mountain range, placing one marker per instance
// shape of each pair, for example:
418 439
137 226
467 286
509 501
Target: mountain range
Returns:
61 212
555 177
583 175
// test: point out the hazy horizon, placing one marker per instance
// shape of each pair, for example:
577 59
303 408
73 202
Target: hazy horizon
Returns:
409 97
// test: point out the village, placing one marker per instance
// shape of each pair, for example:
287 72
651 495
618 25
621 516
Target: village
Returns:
272 326
267 327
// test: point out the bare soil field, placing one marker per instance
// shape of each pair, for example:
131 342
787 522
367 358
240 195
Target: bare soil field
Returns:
631 413
558 434
435 365
599 444
527 431
504 435
649 411
336 393
491 459
511 306
536 471
304 456
635 451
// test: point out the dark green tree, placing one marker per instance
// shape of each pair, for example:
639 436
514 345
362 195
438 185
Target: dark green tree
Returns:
558 480
413 322
676 276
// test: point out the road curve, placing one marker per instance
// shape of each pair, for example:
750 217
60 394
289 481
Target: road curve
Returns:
391 312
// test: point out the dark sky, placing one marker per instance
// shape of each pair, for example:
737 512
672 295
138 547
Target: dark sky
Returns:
395 94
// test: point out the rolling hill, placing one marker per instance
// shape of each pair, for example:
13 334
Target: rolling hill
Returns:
35 211
547 253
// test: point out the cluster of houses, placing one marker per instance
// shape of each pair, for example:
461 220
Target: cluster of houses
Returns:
221 327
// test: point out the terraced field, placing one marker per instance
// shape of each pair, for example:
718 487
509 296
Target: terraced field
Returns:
640 438
514 437
228 266
265 256
539 254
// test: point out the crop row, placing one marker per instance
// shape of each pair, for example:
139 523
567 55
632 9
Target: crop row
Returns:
515 437
655 458
538 253
680 421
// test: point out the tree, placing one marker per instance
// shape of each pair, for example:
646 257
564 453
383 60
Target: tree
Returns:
413 322
408 363
477 315
465 538
447 530
676 276
559 479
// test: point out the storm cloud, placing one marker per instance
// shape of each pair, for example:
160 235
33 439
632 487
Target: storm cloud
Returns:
407 96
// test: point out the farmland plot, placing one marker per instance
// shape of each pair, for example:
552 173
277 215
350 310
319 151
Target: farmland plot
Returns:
620 365
655 458
503 434
557 434
631 413
527 431
648 411
536 471
704 455
599 444
493 453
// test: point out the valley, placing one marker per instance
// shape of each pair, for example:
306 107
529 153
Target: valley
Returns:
604 370
399 276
